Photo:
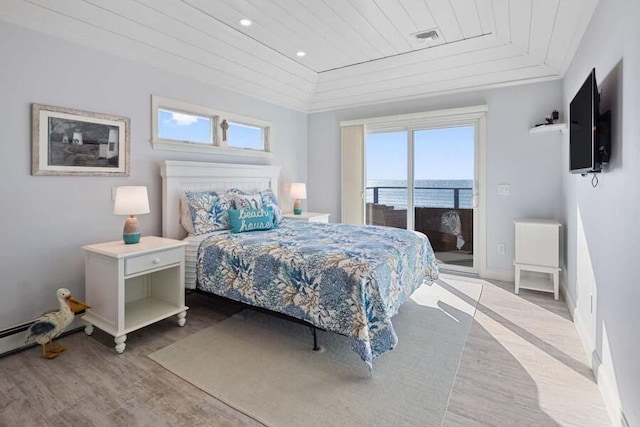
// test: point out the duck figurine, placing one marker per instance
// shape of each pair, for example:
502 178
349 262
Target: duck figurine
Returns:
51 324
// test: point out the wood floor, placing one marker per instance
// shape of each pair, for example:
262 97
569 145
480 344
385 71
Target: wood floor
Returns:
522 365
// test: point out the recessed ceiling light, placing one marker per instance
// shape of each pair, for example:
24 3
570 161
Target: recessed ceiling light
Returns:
245 22
300 54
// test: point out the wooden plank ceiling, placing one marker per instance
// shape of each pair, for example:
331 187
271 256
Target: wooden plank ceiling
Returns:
356 51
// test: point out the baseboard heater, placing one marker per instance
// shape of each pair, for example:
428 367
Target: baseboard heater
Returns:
13 339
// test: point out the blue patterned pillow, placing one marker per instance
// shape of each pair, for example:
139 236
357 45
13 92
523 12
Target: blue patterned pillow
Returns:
247 201
209 211
269 199
251 219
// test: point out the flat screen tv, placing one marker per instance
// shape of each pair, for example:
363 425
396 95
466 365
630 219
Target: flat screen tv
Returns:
589 141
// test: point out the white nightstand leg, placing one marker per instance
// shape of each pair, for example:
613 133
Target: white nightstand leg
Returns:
88 329
182 318
556 285
120 345
517 279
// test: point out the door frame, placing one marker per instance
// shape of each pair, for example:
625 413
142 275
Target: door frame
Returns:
476 115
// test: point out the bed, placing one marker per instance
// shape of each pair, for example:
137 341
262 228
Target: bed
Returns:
345 279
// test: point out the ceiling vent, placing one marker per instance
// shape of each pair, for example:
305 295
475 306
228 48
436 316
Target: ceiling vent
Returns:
429 35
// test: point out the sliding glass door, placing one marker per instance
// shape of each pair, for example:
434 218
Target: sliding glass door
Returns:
444 174
386 179
423 179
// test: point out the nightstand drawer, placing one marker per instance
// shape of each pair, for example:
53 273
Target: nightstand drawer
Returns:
154 260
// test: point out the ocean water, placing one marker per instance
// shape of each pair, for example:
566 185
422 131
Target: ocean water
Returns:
428 193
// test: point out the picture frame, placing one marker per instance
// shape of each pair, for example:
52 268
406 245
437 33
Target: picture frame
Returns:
70 142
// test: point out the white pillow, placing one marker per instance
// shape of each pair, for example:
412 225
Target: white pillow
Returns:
248 201
269 199
185 215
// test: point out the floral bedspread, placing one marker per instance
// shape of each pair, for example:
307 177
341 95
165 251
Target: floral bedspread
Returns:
342 278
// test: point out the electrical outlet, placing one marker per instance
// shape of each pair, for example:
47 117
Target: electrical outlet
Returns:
502 248
504 189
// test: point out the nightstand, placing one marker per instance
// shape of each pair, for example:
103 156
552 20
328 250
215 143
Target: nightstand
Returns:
537 250
308 216
132 286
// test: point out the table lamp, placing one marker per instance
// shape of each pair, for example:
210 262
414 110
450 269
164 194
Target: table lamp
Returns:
131 200
298 191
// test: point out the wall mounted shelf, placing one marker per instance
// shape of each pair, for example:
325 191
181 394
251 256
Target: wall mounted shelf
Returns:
557 127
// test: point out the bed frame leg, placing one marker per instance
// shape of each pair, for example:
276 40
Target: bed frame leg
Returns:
315 339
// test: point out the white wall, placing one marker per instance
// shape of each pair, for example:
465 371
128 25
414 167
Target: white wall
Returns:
530 163
45 220
603 238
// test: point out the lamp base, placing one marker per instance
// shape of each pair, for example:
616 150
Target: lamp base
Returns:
131 232
297 207
131 238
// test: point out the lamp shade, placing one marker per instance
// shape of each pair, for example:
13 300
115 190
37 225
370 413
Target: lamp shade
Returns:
298 190
131 200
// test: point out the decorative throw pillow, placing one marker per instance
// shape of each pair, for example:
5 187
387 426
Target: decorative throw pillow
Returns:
248 201
269 199
251 219
209 211
233 191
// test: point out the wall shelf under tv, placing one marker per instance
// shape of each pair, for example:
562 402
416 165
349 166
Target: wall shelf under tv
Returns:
557 127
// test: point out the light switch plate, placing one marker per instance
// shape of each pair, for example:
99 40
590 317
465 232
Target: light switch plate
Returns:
504 189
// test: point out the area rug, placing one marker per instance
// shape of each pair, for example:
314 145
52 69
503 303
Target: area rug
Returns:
265 366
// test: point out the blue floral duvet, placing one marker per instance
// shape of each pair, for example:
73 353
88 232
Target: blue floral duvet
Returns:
346 279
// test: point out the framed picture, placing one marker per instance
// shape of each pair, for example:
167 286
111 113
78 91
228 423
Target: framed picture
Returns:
73 142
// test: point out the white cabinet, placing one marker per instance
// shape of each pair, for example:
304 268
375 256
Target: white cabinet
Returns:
132 286
537 250
308 216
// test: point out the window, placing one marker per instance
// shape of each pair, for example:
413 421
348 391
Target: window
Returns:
187 127
179 126
245 136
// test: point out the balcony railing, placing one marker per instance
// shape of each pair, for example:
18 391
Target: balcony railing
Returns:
437 197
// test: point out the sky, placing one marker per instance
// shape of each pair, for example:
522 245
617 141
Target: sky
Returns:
188 127
439 154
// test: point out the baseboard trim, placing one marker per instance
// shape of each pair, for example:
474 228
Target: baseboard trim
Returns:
496 274
623 420
605 379
603 374
13 339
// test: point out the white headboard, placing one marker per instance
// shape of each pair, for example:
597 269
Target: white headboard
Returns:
178 177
